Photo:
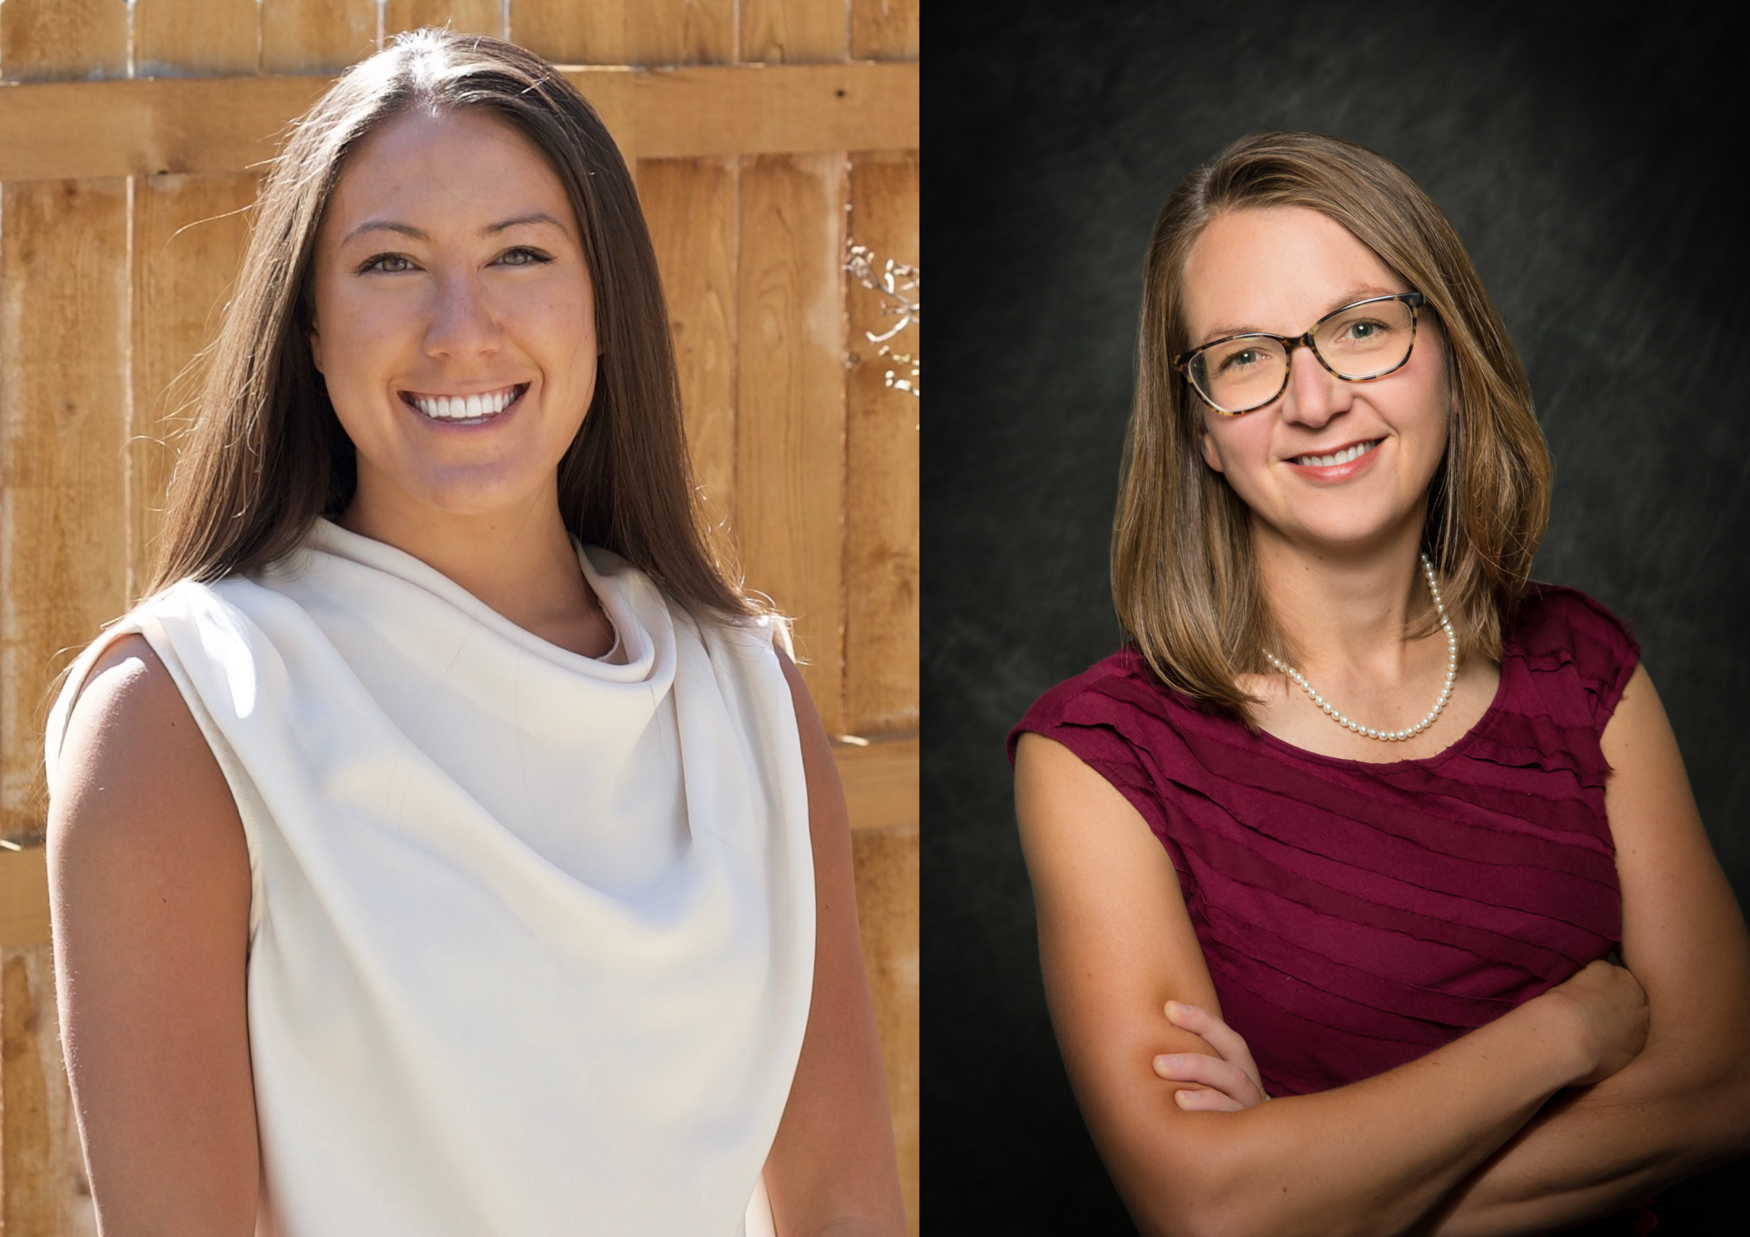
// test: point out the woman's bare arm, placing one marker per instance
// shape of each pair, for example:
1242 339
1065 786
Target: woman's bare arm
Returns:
831 1172
149 888
1370 1158
1684 1103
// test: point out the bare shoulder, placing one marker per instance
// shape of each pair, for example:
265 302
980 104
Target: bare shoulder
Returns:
1115 944
817 758
1682 933
136 775
149 888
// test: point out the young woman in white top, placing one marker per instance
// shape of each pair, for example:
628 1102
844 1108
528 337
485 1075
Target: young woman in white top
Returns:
446 845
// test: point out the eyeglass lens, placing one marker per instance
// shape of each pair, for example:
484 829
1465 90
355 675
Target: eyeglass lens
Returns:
1362 341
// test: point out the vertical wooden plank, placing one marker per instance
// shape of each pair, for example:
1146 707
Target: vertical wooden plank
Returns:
44 39
884 29
680 32
63 527
881 516
46 1193
315 36
887 912
794 31
195 38
63 315
462 16
189 234
568 32
690 205
790 404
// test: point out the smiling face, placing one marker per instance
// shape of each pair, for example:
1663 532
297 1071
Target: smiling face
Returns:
1331 465
454 319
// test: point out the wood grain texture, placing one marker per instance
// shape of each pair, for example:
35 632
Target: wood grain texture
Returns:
569 32
63 532
680 32
887 911
24 897
881 781
790 405
884 29
776 109
45 1192
41 40
690 205
195 38
315 36
189 235
67 130
881 473
463 16
794 31
56 130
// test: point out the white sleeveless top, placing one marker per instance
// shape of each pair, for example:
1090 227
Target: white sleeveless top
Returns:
531 934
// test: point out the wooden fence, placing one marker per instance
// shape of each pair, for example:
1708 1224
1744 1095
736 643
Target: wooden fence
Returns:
767 135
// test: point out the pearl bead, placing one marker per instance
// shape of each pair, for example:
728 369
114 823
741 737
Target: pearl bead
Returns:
1392 736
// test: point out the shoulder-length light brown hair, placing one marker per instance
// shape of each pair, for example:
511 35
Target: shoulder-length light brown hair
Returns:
1183 572
265 455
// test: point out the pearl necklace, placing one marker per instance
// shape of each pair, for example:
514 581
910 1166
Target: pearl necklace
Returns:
1390 736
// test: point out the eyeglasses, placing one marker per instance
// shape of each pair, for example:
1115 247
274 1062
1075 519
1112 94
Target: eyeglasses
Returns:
1356 343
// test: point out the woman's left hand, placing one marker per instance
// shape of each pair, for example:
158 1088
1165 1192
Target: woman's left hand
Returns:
1231 1079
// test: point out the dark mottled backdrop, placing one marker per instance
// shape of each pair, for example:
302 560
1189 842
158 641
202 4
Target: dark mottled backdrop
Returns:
1591 157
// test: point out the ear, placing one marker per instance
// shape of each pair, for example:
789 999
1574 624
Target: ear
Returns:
314 338
1210 456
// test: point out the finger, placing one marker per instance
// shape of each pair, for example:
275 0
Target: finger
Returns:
1219 1036
1224 1076
1206 1101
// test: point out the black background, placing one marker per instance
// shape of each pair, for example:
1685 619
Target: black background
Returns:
1591 159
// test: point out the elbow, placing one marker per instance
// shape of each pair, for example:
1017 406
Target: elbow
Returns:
1212 1198
1236 1199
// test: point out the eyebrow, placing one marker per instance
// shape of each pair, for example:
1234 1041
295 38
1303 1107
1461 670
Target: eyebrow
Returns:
491 229
1349 295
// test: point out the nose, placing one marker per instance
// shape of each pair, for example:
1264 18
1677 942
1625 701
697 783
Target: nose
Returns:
462 324
1314 394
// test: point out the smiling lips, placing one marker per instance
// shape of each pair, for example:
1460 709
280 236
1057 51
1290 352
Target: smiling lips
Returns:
1337 458
465 409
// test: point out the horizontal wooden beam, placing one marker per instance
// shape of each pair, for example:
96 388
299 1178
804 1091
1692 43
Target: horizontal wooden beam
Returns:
881 788
24 896
74 130
881 781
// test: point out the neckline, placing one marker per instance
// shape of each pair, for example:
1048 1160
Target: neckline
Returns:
624 655
1450 750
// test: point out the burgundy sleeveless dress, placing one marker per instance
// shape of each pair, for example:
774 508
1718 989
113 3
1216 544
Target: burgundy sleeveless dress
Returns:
1355 916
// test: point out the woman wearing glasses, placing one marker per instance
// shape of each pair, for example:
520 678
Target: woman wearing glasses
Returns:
1356 816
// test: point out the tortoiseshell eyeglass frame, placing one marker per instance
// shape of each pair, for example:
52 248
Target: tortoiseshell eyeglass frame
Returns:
1182 362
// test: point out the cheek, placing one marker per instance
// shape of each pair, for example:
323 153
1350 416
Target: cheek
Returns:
353 334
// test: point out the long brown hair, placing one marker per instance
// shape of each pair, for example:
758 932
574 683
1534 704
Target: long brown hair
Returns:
1183 572
265 455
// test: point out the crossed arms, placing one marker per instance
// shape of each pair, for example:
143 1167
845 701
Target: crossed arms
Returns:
1550 1115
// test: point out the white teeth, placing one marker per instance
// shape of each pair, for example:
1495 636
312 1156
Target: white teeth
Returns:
1339 457
465 407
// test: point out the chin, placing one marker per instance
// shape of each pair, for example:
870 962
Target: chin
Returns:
474 496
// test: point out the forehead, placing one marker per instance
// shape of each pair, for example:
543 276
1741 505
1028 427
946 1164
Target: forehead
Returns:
423 167
1276 269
